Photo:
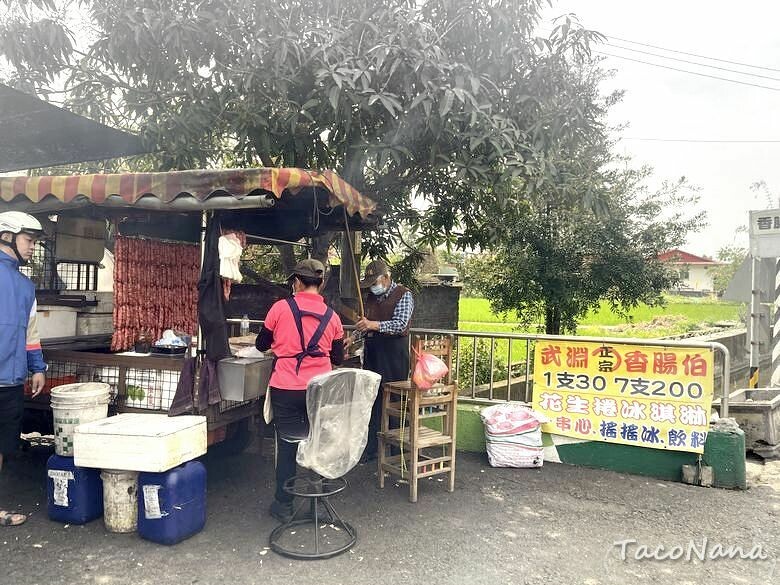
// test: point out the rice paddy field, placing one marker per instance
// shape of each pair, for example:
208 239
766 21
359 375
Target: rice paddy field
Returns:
679 315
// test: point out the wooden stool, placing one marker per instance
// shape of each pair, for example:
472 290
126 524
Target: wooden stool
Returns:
412 406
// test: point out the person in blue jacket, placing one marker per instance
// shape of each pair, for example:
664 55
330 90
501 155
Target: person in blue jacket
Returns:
20 345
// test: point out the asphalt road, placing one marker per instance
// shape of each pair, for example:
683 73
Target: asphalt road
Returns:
556 525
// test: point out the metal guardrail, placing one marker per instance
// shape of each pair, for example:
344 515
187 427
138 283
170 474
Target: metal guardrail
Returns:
486 371
526 380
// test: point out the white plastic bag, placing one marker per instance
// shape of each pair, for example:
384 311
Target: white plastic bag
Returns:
339 407
230 252
513 435
249 352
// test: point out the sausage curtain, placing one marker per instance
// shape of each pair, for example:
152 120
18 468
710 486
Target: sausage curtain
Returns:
154 289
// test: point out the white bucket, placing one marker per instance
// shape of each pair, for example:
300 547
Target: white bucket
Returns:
120 500
72 405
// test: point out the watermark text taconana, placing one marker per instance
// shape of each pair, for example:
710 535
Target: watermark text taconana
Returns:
701 550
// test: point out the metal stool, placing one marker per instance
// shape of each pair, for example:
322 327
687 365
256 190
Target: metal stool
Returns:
329 536
345 396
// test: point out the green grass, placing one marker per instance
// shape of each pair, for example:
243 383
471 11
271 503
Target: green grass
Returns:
518 347
681 314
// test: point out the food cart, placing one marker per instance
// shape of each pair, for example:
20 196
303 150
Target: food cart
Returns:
163 229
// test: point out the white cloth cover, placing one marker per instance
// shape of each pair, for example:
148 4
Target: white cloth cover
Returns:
229 257
339 407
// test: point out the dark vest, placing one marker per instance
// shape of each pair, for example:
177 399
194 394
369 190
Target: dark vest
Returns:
381 309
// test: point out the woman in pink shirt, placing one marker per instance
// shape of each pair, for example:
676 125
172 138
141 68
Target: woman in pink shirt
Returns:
306 336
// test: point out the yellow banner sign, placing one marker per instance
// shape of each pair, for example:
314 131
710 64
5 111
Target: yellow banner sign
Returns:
657 397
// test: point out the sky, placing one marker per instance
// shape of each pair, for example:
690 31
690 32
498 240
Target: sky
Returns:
660 103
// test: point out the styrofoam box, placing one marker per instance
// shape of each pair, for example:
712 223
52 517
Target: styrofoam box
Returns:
55 321
94 324
140 442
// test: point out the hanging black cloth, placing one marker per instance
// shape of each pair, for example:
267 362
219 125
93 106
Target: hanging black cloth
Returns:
182 401
211 309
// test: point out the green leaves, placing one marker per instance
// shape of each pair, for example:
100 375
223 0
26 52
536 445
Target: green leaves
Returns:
445 104
333 97
435 104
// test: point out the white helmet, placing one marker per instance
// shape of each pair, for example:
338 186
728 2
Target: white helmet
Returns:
15 223
18 222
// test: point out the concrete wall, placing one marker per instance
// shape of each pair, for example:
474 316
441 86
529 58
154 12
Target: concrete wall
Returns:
724 451
699 278
436 307
736 341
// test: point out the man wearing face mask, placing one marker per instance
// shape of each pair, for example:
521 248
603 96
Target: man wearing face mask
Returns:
20 347
389 308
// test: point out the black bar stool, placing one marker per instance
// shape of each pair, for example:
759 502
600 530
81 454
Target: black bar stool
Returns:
339 406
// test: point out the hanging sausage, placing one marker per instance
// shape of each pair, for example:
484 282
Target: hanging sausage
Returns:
155 288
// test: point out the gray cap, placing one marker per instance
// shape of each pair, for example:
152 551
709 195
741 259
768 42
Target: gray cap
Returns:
374 270
311 268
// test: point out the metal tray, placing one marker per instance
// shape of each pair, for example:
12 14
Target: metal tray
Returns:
168 350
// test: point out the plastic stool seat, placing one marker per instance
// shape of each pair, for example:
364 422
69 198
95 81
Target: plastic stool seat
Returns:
294 432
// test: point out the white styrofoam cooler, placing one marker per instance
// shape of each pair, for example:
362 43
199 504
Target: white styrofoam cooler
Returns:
94 324
55 321
140 442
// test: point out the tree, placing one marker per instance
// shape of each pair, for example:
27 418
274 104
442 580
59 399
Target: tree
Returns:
760 188
442 100
559 263
732 258
591 233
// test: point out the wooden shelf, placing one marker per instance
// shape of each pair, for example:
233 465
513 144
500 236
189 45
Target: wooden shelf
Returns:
398 413
437 465
405 402
425 437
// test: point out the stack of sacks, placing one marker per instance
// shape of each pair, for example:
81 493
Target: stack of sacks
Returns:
513 435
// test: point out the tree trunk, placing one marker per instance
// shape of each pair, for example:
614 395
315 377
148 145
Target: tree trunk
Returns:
319 251
552 320
320 246
287 256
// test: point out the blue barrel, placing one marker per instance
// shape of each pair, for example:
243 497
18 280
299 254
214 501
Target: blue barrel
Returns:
172 504
74 494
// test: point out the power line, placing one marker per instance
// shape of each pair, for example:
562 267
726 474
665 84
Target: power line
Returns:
692 62
715 141
686 71
692 54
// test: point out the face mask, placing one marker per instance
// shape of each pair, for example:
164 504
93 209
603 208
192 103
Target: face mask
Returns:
378 290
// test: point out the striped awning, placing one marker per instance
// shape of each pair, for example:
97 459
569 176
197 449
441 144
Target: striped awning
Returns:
168 187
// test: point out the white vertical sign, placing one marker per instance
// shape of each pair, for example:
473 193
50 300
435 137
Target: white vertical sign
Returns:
765 233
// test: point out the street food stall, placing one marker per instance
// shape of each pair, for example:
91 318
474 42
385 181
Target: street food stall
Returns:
158 332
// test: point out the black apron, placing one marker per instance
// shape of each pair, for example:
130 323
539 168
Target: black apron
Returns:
388 356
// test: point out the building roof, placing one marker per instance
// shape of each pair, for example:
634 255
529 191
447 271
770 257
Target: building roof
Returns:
677 256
